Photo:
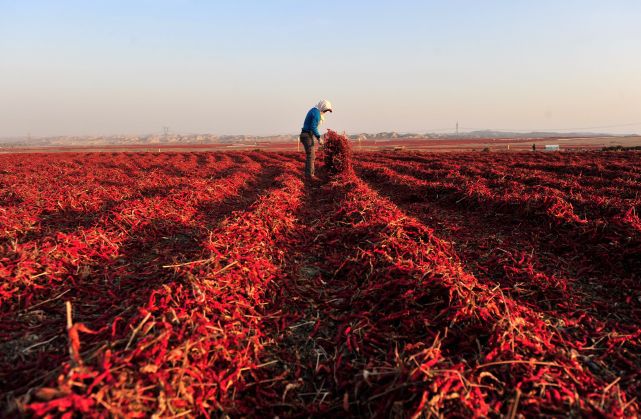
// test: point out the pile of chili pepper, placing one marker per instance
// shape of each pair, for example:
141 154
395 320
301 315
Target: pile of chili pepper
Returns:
337 154
210 284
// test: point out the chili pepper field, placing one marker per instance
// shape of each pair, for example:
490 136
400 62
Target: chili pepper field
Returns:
399 285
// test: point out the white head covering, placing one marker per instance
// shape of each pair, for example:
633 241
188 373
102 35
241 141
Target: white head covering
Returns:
324 105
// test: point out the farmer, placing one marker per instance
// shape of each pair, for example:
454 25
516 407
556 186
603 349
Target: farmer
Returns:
310 132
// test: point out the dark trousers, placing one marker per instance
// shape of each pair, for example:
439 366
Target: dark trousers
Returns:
308 142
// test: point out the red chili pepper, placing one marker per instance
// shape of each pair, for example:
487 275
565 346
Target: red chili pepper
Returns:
402 283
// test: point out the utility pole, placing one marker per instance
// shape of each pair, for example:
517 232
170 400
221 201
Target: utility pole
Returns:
457 128
165 131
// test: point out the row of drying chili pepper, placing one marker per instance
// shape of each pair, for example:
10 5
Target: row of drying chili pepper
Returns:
400 327
141 230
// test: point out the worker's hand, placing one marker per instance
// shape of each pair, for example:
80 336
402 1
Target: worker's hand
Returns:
320 141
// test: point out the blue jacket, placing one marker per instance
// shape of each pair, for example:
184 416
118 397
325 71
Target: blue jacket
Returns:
311 122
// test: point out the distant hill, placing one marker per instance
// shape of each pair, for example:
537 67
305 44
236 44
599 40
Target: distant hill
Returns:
534 134
177 139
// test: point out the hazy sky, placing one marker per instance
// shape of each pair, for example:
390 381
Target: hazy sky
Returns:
256 67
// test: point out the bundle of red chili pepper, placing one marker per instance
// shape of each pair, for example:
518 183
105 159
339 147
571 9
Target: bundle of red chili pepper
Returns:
337 154
211 284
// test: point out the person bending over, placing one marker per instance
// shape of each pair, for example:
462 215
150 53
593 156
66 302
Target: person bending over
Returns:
310 132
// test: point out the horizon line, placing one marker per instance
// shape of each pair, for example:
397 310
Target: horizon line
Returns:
427 132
